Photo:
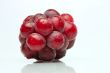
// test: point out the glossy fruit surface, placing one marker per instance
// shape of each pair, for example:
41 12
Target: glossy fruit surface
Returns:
55 40
27 28
43 26
66 44
58 23
36 42
51 13
47 54
38 16
27 52
28 19
70 30
47 36
60 54
67 17
71 43
22 38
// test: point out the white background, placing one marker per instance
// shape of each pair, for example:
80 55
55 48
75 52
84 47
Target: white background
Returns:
91 52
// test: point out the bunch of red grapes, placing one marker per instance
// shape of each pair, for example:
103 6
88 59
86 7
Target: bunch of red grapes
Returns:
47 36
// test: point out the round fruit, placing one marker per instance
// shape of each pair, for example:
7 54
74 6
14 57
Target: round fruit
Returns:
27 52
67 17
27 28
51 13
70 30
58 23
43 26
28 19
38 16
60 54
47 54
36 42
55 40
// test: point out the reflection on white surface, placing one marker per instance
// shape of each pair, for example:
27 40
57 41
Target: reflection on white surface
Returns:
55 67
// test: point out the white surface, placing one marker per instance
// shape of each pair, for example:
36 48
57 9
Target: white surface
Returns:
91 53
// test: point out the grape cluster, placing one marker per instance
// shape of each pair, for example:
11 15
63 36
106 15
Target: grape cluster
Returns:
47 36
